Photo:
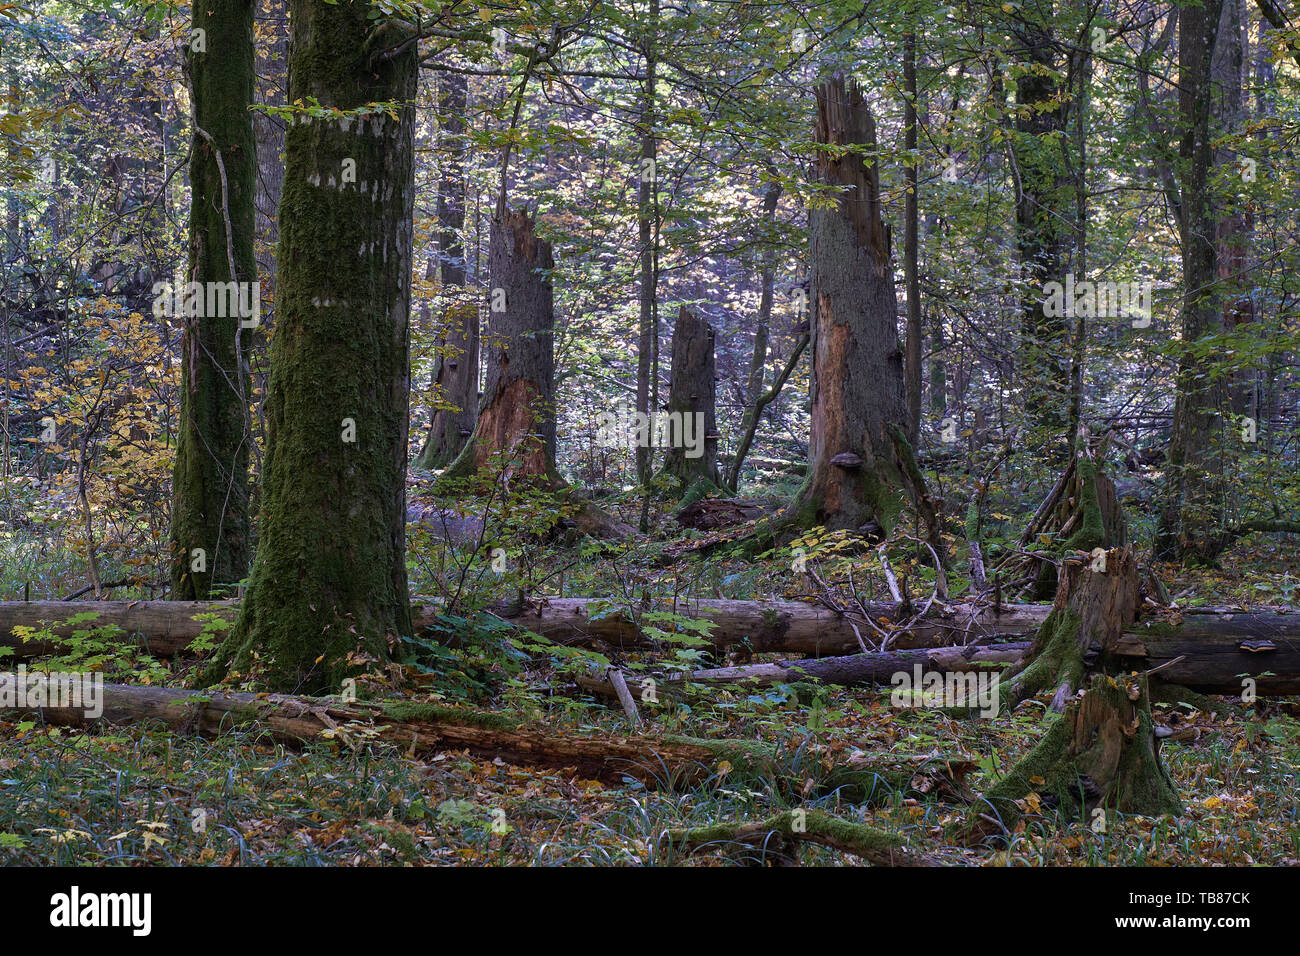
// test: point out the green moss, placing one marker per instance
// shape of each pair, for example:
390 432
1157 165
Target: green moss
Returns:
814 826
436 713
748 758
1091 532
1058 661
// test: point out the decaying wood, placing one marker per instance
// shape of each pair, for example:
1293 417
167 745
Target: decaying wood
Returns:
709 514
870 668
1101 755
777 839
624 695
1217 645
1096 602
169 627
419 728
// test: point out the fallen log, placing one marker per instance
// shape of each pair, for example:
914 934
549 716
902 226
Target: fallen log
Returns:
169 627
1205 653
421 728
777 838
1217 644
849 670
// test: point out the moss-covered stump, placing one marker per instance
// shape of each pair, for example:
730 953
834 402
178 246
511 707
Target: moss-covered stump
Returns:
1096 599
1102 753
1082 512
776 839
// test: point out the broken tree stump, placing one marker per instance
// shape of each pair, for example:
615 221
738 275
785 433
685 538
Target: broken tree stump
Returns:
1096 601
1101 754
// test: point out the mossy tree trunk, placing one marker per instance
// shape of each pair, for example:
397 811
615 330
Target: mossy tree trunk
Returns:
516 418
692 401
861 465
210 486
456 373
328 591
1096 600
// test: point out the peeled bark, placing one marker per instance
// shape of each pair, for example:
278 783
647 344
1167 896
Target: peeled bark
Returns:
861 466
328 588
692 402
516 419
209 533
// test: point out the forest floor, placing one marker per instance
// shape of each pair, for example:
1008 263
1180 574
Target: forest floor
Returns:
135 795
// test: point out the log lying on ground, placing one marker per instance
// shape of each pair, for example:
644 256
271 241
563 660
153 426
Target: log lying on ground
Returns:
1217 644
1203 653
850 670
776 839
789 626
423 728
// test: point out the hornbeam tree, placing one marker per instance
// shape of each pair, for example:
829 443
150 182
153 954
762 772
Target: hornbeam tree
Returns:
328 590
1192 517
210 489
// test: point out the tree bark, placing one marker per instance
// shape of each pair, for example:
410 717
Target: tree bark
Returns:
787 626
1101 754
209 533
860 463
1044 228
911 224
1192 515
1219 646
692 401
456 373
329 580
516 419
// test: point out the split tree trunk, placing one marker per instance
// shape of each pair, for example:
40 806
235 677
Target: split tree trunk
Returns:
692 400
329 582
514 438
209 534
1096 601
